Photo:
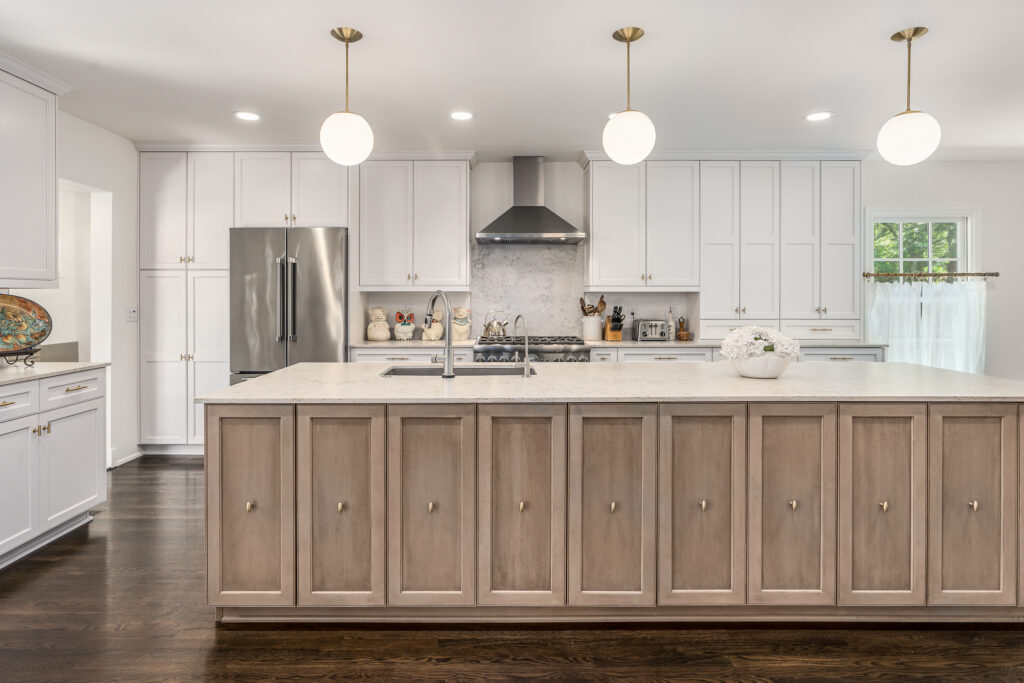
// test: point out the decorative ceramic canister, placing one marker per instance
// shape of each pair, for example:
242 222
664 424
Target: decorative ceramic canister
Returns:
460 324
378 329
404 325
433 329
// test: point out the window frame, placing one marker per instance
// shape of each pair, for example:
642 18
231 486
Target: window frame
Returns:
969 241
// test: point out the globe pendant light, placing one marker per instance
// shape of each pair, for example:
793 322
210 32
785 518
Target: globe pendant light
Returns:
346 137
911 136
629 135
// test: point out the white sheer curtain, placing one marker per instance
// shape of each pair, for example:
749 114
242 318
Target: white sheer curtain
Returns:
941 324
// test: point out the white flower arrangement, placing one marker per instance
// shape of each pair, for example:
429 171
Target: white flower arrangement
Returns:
753 342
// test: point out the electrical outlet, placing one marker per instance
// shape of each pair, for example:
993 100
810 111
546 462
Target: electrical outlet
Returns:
131 313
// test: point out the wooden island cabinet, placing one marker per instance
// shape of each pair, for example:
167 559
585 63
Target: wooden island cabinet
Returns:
610 511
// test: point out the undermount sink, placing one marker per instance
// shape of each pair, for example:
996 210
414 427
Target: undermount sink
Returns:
460 370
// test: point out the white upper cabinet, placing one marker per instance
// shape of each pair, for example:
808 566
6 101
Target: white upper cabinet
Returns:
319 191
211 201
800 261
263 189
759 239
673 224
840 240
28 184
440 223
413 225
720 239
617 242
163 204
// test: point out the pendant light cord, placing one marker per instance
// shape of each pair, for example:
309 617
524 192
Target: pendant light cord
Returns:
909 42
627 75
346 76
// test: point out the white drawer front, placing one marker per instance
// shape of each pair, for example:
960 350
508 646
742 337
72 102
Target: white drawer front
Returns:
821 329
666 356
863 354
406 356
65 390
604 355
19 400
717 329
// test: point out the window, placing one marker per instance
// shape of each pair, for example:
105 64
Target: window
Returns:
919 245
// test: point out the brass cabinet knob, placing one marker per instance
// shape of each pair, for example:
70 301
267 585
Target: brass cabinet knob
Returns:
181 356
884 505
973 505
249 505
286 219
49 424
430 506
743 310
37 430
341 506
613 506
415 276
408 276
792 503
824 309
703 505
181 259
643 276
293 219
735 310
522 505
649 277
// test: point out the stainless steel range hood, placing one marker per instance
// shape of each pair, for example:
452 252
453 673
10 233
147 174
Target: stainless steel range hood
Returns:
529 221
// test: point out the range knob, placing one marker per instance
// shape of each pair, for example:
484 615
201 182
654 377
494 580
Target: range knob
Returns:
533 358
492 358
570 358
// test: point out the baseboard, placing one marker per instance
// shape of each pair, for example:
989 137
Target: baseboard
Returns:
128 458
193 450
45 538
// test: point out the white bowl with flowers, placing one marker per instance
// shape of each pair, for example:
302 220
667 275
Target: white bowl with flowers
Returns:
759 352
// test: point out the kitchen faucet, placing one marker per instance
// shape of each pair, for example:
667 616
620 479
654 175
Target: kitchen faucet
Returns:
526 338
449 351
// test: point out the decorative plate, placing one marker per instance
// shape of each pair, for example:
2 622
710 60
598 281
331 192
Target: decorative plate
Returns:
23 323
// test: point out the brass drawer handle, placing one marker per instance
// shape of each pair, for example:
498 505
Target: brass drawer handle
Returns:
341 506
613 506
821 329
430 506
884 505
840 357
46 428
664 358
703 505
792 503
397 358
7 403
522 505
973 505
78 388
249 505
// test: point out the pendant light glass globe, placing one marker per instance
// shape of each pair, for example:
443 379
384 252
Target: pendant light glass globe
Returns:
628 137
346 138
909 138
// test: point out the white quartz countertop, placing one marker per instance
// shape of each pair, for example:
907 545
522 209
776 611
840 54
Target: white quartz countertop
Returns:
621 382
19 372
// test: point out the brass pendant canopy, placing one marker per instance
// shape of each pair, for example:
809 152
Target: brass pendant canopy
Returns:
908 34
346 34
629 34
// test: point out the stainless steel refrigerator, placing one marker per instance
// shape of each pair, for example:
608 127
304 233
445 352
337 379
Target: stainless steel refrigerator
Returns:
289 298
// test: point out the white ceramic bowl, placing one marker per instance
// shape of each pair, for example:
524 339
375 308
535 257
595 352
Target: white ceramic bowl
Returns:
768 366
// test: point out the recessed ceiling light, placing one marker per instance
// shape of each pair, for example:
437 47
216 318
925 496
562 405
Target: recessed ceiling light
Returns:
462 115
819 116
247 115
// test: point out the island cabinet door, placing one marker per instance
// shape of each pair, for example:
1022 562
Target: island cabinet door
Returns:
250 502
340 508
612 461
972 504
792 509
431 505
701 504
883 455
521 504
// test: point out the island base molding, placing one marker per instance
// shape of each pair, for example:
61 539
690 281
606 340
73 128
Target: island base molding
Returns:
569 615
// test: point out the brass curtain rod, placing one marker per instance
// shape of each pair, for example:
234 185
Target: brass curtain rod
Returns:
996 274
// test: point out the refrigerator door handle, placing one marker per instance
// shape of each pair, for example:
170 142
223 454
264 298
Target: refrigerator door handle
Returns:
280 298
292 267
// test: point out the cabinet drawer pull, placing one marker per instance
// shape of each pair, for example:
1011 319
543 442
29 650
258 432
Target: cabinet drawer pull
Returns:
522 505
249 505
397 358
840 357
341 506
792 503
78 388
821 329
703 505
664 358
4 404
430 506
884 505
613 506
49 424
973 505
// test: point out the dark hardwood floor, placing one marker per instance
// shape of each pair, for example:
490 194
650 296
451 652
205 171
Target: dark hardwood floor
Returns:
123 599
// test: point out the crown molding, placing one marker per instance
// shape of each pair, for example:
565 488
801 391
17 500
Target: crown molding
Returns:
587 156
27 72
298 147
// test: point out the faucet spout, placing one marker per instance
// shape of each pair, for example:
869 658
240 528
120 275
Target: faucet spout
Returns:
449 350
526 339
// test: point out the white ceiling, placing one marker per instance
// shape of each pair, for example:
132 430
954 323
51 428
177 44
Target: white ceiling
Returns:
540 75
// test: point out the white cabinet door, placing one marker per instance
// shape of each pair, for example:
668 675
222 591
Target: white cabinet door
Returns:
720 239
319 191
385 223
72 464
28 183
618 253
163 202
18 477
211 208
263 189
840 240
800 242
440 224
673 224
163 400
208 345
759 239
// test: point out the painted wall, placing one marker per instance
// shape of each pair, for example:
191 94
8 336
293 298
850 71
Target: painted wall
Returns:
97 158
996 189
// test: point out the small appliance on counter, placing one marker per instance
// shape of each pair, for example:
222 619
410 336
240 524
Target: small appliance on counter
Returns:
650 330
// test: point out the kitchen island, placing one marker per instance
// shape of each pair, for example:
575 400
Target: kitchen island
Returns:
597 492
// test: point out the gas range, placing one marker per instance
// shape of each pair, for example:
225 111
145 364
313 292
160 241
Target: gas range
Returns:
557 349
